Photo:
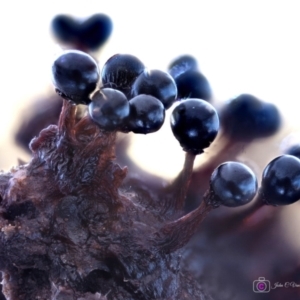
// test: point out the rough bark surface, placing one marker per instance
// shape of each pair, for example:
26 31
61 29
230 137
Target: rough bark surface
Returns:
71 228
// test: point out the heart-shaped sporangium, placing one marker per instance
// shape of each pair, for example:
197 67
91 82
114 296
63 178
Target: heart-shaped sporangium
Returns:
89 34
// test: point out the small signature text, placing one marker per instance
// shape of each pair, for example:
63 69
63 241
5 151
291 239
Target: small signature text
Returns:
291 284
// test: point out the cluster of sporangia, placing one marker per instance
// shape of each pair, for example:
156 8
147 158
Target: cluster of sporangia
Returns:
71 228
132 98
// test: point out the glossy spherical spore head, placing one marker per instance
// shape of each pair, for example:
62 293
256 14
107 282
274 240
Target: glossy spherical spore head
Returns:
120 71
246 117
147 114
109 108
193 84
195 124
281 181
158 84
233 184
75 75
182 64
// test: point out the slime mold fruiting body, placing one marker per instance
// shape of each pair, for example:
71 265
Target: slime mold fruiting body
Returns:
74 228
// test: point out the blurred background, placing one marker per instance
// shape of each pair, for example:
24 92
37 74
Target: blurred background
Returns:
241 46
